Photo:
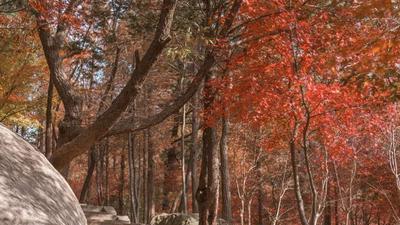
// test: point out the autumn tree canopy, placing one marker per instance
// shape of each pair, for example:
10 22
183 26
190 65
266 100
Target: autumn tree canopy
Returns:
259 112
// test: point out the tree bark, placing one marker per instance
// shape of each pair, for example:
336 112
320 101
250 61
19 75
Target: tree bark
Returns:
184 196
106 170
145 176
132 179
208 191
140 180
99 177
121 184
260 207
296 181
225 177
49 120
328 208
91 166
195 150
150 178
213 177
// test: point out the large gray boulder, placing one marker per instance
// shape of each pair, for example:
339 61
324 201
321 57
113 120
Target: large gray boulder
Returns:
32 192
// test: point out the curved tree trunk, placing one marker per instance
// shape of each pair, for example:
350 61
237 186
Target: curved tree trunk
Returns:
86 184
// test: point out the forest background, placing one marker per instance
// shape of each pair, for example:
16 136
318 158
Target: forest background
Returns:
257 112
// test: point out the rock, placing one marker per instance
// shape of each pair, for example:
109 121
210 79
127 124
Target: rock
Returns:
179 219
124 219
174 219
103 215
32 192
98 209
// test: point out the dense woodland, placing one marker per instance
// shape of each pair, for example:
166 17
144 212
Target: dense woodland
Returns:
259 112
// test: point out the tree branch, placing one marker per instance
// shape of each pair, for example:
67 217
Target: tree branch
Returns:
129 125
103 123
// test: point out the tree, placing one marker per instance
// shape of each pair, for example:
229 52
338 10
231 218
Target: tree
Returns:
73 139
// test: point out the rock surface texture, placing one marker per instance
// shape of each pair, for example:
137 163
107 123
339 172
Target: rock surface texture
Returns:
32 192
179 219
175 219
103 215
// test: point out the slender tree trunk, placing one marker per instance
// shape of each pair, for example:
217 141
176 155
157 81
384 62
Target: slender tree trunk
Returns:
184 196
132 179
86 184
225 177
107 177
49 121
100 176
336 205
150 178
42 140
204 197
171 173
242 208
140 180
175 205
121 184
328 208
188 174
249 211
296 181
260 183
195 150
260 207
145 176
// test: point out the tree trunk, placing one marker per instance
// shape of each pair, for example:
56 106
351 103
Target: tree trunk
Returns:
225 177
145 176
171 173
184 196
328 208
249 204
260 207
100 176
336 205
140 180
260 183
106 170
208 191
86 184
195 150
296 181
132 179
73 140
49 121
204 191
150 178
121 184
